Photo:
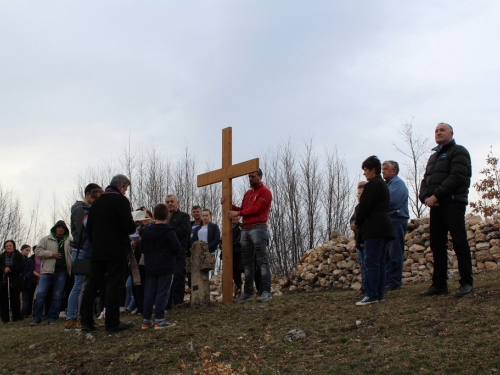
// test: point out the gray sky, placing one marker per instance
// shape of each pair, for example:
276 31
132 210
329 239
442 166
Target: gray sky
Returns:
78 77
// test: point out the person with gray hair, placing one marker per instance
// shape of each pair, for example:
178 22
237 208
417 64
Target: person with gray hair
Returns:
109 225
182 225
398 212
445 190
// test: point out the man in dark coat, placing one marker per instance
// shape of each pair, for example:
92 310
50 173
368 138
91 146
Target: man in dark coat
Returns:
182 225
108 227
445 189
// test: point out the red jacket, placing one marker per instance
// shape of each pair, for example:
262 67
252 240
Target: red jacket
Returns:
255 206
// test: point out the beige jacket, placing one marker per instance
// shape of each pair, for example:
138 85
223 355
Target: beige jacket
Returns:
44 250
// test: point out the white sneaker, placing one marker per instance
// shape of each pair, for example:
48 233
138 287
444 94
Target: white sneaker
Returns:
366 301
102 315
62 315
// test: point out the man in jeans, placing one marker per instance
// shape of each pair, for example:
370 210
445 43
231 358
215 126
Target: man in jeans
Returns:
79 236
398 211
254 238
55 252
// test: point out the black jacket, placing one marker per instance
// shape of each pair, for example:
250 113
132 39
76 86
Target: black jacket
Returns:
213 236
160 246
109 225
447 175
372 216
180 222
15 274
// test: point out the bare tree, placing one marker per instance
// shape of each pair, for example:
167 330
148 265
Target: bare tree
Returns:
338 196
417 149
11 223
310 191
35 230
183 184
128 162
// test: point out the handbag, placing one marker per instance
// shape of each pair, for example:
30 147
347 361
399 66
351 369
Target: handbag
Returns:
81 266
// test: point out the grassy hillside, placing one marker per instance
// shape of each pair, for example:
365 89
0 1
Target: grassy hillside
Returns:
407 334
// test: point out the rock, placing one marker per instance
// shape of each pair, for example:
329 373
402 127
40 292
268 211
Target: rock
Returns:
484 255
417 248
490 265
482 246
295 335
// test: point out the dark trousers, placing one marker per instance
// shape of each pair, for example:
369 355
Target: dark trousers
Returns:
157 292
449 217
177 291
138 290
237 268
15 303
116 273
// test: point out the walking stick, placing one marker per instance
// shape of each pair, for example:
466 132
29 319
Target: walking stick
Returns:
8 295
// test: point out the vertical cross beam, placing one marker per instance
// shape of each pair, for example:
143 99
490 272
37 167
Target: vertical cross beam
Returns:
225 175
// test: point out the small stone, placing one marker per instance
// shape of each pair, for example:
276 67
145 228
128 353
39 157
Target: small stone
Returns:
295 335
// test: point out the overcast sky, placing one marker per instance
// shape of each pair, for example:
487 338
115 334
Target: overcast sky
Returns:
78 77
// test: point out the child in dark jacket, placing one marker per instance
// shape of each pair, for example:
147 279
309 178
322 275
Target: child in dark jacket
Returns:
160 246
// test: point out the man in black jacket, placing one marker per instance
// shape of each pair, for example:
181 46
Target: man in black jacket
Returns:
445 189
182 225
109 225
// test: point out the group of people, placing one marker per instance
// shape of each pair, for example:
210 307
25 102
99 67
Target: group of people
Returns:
381 217
151 252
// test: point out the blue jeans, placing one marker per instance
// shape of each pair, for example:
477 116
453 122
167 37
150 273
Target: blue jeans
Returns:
254 246
75 297
156 292
129 297
362 267
57 281
395 254
375 252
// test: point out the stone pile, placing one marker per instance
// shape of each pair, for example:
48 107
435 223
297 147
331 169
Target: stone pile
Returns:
334 263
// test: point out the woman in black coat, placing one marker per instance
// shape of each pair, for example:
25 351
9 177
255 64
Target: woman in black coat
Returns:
12 265
376 229
210 232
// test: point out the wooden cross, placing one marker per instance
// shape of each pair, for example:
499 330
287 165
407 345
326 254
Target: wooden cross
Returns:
225 175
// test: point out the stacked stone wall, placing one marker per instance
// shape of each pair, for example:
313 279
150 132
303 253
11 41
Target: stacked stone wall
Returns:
334 263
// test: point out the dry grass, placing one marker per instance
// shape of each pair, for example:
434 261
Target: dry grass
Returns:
407 334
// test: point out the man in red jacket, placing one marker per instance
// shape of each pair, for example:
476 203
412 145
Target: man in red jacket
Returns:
254 238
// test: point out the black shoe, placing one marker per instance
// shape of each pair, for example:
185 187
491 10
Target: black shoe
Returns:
120 327
86 328
433 291
390 288
464 290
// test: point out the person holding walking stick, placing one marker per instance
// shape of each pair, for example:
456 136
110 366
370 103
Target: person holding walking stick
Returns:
12 266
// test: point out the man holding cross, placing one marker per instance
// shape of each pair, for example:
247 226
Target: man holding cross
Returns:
254 238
